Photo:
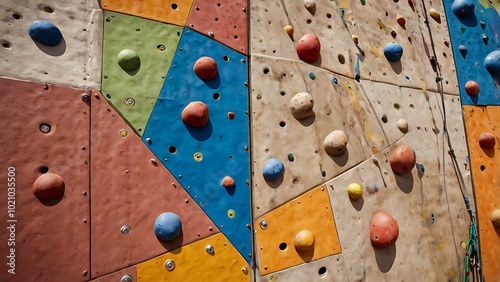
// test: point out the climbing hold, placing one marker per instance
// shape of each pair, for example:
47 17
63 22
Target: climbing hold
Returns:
227 182
304 241
308 48
463 50
302 105
485 38
435 15
495 218
128 59
472 88
195 114
402 159
355 191
48 186
335 142
412 6
487 140
355 38
310 6
462 8
273 169
403 125
167 226
205 68
384 230
289 30
230 115
45 32
393 51
401 21
492 64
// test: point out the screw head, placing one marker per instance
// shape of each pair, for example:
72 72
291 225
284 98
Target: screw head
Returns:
263 224
85 97
45 128
209 249
126 278
125 230
130 102
170 265
244 269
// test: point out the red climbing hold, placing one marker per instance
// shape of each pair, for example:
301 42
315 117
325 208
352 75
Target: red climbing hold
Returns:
402 159
48 186
472 88
205 68
227 182
308 48
195 114
487 140
384 230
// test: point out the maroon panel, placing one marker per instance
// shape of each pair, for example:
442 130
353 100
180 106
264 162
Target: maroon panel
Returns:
226 21
51 237
118 275
131 188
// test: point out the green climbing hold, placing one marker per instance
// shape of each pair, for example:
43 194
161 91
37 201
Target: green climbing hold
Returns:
128 59
291 157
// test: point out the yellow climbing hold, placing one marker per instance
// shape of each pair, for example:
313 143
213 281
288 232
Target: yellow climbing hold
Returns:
355 39
435 15
289 30
355 191
304 241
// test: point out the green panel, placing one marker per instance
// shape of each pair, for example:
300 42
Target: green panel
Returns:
133 92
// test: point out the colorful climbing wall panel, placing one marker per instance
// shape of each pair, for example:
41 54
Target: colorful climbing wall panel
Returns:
137 54
125 173
290 235
474 28
484 160
79 24
212 259
201 157
171 11
45 164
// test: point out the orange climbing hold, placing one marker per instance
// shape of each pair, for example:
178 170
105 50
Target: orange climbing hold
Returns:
227 182
308 48
402 159
205 68
384 230
472 88
195 114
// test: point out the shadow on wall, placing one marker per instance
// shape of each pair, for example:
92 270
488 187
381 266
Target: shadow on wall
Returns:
385 257
405 182
55 51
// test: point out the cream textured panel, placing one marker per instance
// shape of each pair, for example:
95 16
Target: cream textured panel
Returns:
75 61
334 22
339 105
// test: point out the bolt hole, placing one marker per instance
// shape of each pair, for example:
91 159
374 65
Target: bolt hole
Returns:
216 96
412 106
482 167
43 169
236 37
216 19
225 58
384 118
172 149
328 15
161 47
407 78
108 96
197 8
174 6
396 106
322 271
282 93
16 16
376 237
308 21
283 246
282 123
266 70
45 128
6 45
218 4
48 9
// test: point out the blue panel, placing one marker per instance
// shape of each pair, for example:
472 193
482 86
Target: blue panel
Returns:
468 31
222 143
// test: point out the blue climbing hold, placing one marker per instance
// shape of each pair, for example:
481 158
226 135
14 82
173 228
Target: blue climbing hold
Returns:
492 64
45 32
167 226
463 50
462 8
273 169
393 51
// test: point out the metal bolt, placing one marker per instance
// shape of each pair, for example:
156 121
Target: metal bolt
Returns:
209 249
126 278
170 265
161 47
125 230
149 140
263 224
244 269
85 97
130 102
45 128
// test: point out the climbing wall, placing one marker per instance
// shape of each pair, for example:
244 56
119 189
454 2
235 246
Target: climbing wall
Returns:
314 140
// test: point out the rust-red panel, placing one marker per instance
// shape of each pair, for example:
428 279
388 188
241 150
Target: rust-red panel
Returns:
224 21
130 273
51 238
131 188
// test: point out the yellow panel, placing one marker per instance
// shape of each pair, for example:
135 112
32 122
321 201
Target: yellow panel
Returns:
311 211
194 263
485 166
170 11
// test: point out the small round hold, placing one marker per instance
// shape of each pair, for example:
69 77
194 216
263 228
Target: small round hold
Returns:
227 182
195 114
403 125
45 32
487 140
230 115
335 142
304 241
308 48
48 186
128 59
310 6
289 30
462 8
167 226
393 51
273 169
495 218
492 64
209 249
170 265
435 15
402 159
205 68
401 21
355 191
384 230
302 105
355 39
472 88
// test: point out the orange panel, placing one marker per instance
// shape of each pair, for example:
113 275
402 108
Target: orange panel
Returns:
277 232
485 167
169 11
